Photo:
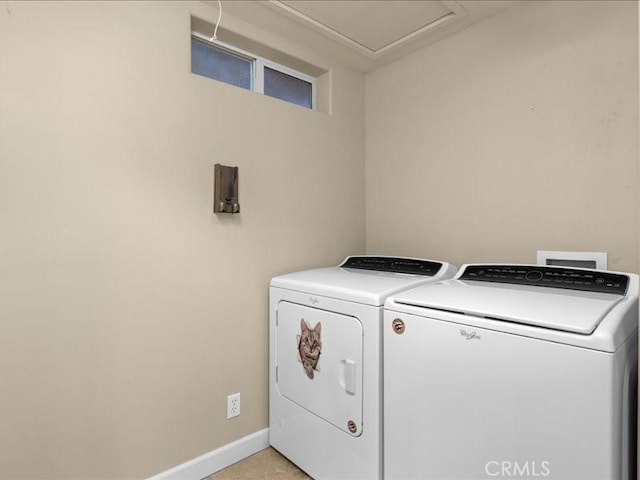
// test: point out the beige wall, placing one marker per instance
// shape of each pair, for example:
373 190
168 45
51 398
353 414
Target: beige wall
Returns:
128 311
518 134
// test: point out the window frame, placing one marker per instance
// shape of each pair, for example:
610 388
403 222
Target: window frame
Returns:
258 64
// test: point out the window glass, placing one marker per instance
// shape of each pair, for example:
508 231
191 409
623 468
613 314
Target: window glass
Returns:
220 64
288 88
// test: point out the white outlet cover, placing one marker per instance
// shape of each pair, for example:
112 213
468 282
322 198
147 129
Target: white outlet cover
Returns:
233 405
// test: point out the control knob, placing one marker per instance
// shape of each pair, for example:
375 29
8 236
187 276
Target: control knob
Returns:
534 275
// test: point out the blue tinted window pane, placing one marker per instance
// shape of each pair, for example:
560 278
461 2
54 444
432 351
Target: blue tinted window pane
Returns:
220 65
288 88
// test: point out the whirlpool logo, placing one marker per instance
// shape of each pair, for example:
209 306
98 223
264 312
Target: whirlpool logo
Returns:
509 469
470 335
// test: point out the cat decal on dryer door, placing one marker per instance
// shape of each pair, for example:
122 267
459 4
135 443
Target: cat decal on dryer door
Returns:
309 347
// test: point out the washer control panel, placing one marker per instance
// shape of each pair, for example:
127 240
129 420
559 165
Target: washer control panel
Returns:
394 265
556 277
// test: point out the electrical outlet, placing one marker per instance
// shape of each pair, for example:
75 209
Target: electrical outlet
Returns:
233 405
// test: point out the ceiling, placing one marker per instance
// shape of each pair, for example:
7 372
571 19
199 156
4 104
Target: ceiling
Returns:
367 34
384 30
371 27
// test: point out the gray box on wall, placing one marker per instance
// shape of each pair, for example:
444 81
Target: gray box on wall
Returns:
225 189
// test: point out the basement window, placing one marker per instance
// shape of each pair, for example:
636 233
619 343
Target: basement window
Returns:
229 64
221 64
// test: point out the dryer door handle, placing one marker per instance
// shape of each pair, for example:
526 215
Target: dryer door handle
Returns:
348 376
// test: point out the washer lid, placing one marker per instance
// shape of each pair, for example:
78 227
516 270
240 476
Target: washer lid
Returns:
553 308
369 287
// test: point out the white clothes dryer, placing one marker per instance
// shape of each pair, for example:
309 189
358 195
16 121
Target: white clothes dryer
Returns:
325 411
512 371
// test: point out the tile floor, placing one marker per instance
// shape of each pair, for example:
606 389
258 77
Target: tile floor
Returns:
265 465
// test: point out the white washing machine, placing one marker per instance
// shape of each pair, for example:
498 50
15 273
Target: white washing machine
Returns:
512 371
325 380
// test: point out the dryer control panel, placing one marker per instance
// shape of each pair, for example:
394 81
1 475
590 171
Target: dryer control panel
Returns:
556 277
394 264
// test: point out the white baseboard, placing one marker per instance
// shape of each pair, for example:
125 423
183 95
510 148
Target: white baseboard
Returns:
205 465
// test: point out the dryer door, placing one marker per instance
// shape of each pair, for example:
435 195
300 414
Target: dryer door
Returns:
319 355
